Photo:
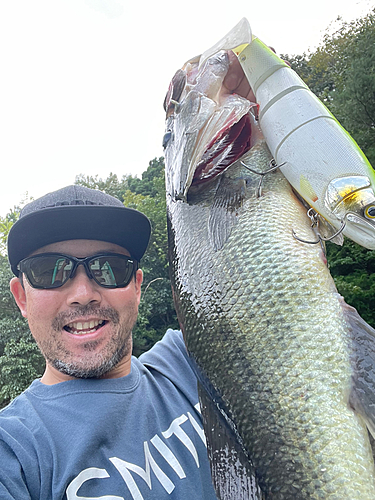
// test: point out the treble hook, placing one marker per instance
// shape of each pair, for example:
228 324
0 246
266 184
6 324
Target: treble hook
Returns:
272 168
313 216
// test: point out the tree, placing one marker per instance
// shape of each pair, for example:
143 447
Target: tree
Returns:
5 224
352 268
20 359
111 185
20 364
354 102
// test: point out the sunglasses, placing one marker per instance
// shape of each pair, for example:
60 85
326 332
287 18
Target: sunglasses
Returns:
52 270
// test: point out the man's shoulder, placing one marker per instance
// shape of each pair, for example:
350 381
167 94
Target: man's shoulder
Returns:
172 343
20 403
168 352
170 359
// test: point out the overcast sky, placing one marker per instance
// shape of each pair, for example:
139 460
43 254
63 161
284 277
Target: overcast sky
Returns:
83 81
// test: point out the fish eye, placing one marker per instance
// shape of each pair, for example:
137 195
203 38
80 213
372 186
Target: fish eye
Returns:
370 212
168 136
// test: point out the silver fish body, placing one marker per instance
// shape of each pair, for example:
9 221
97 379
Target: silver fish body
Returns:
265 325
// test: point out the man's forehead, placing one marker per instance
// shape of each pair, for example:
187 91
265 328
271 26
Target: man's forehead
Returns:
82 248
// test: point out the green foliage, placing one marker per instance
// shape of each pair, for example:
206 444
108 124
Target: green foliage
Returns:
156 311
20 363
152 182
354 102
352 267
315 70
8 307
20 359
5 224
12 324
111 185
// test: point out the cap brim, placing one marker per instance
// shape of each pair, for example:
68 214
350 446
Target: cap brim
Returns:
123 226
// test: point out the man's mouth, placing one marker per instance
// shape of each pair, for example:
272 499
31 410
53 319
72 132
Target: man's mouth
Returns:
84 327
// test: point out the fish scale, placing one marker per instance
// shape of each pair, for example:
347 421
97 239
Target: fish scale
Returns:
263 321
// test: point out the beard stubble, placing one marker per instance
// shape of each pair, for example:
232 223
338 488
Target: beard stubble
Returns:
93 363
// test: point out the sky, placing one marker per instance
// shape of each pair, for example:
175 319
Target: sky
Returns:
83 81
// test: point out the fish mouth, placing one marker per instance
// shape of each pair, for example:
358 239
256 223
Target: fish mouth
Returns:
209 126
224 150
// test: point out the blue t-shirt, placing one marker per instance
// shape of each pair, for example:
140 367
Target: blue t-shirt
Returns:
136 437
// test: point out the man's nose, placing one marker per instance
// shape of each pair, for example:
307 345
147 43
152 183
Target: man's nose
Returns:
81 290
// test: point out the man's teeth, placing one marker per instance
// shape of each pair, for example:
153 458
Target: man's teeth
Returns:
81 328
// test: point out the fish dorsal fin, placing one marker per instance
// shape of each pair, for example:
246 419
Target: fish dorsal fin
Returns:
233 475
224 210
362 397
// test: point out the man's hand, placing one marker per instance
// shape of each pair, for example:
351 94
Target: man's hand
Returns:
235 81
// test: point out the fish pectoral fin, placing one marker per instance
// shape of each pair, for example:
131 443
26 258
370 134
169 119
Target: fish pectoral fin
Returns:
224 210
232 473
362 396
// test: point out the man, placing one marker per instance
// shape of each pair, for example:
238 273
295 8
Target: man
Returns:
99 423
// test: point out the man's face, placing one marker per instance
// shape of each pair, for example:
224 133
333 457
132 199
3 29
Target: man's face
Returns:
82 329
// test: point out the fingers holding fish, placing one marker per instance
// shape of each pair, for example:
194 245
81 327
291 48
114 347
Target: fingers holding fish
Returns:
235 81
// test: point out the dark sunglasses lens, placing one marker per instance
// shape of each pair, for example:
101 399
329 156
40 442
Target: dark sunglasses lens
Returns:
111 271
47 271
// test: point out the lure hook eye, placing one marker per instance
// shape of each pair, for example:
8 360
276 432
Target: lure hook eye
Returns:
370 212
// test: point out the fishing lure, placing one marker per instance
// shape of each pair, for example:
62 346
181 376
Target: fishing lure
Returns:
315 153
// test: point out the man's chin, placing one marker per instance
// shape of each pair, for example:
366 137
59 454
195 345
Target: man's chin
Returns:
93 367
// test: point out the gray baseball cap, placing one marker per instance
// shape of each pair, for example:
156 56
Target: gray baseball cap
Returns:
77 212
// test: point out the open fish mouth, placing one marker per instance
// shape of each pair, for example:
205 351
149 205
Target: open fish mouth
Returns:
224 150
208 128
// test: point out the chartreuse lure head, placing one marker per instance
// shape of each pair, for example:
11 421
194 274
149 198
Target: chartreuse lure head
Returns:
351 199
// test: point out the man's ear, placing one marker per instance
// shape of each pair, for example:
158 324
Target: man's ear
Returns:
19 295
138 283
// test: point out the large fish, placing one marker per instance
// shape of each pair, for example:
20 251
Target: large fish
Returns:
286 368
